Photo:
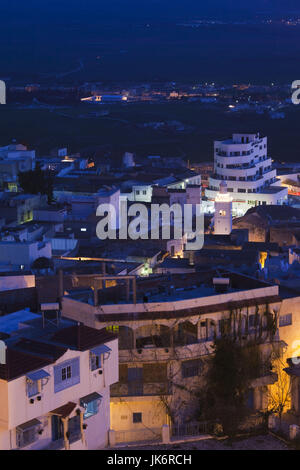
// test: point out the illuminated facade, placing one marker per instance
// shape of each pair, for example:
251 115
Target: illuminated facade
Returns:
243 162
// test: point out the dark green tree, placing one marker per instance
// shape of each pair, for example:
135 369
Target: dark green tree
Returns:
37 181
232 367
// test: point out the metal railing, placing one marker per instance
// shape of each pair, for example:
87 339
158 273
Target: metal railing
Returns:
192 429
138 435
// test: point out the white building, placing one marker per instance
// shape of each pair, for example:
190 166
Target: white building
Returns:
223 211
23 254
55 387
14 158
243 162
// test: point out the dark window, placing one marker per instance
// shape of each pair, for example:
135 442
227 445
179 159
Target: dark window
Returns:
136 417
135 381
285 320
191 368
27 433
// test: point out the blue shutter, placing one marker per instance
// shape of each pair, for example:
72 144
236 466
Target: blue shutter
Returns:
58 385
75 371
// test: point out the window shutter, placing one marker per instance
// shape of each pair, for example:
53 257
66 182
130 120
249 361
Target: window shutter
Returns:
58 383
75 371
123 374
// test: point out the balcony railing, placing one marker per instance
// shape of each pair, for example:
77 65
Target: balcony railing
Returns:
140 389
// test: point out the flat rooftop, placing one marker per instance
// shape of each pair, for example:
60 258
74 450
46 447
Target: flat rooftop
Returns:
171 288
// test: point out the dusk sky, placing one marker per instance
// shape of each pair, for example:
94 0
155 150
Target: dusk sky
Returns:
144 8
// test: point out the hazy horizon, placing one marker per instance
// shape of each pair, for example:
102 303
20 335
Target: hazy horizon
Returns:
141 40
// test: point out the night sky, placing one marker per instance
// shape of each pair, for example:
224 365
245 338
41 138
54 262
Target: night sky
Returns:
47 10
42 38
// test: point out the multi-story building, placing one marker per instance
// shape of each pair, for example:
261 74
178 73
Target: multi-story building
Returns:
243 162
14 158
166 333
55 385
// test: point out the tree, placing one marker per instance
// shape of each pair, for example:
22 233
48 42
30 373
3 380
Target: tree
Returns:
279 394
232 368
42 263
37 181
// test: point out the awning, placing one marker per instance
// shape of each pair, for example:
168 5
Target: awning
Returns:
89 398
65 410
30 424
37 375
101 349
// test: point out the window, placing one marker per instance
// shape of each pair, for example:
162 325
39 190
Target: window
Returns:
222 213
136 417
191 368
95 361
27 433
135 381
250 399
95 356
91 404
137 192
113 329
66 375
91 409
285 320
253 320
32 388
35 382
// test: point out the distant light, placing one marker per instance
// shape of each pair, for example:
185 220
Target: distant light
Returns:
83 229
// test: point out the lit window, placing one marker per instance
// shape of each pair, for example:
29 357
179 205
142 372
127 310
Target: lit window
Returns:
222 213
91 404
113 328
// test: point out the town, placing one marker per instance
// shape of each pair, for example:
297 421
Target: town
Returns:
109 342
